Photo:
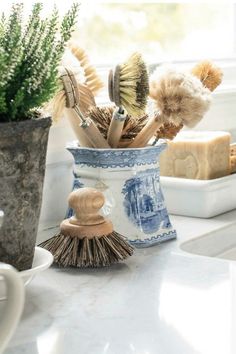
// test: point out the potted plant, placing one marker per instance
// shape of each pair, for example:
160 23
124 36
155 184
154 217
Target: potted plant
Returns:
30 53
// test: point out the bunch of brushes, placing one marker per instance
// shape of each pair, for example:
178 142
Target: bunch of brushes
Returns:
179 99
87 239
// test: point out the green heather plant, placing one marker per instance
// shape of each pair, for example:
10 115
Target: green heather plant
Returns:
30 53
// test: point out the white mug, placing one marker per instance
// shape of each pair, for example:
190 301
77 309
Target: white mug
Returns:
11 309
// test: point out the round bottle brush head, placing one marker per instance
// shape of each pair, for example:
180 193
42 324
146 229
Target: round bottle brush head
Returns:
180 97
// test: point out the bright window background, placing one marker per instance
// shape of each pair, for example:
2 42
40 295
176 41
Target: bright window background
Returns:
162 31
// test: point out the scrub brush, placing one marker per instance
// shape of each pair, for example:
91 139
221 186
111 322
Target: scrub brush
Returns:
128 88
87 239
211 76
57 108
73 101
180 98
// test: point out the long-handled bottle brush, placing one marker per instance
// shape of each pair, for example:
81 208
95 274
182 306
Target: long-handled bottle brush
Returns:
180 98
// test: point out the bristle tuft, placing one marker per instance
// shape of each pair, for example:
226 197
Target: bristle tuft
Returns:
209 74
168 131
134 86
88 253
180 97
93 81
102 117
57 104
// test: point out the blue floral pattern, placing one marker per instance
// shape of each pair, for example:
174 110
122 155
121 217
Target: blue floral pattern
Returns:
134 198
153 240
112 158
144 202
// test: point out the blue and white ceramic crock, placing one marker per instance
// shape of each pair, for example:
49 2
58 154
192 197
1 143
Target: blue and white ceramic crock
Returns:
130 182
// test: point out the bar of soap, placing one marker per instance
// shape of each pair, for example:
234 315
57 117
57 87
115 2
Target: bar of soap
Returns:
197 155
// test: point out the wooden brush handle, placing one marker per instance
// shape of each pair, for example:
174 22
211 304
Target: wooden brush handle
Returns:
86 203
147 132
88 231
86 131
114 86
94 135
75 122
124 143
116 127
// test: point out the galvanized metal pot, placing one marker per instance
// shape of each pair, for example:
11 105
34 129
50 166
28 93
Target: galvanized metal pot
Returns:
23 147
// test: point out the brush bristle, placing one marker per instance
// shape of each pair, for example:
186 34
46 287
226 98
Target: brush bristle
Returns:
88 253
168 131
209 74
133 85
102 117
93 81
180 97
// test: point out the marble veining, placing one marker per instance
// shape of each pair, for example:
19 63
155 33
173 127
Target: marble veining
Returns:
161 301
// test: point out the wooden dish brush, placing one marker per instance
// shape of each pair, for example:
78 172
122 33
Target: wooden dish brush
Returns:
87 239
211 77
128 88
180 98
72 101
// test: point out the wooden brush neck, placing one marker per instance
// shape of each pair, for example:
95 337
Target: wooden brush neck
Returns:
86 203
87 219
88 231
114 86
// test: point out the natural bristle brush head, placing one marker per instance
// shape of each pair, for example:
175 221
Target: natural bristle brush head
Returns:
102 117
87 240
180 97
208 73
92 79
70 87
128 85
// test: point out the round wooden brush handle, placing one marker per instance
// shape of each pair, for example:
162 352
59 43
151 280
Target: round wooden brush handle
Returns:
86 202
143 137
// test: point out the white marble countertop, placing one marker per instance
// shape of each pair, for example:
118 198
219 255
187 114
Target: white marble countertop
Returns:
161 301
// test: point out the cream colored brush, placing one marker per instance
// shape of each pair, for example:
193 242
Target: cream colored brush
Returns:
72 102
180 98
211 76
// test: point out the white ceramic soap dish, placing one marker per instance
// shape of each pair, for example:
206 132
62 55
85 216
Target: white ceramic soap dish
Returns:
199 198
